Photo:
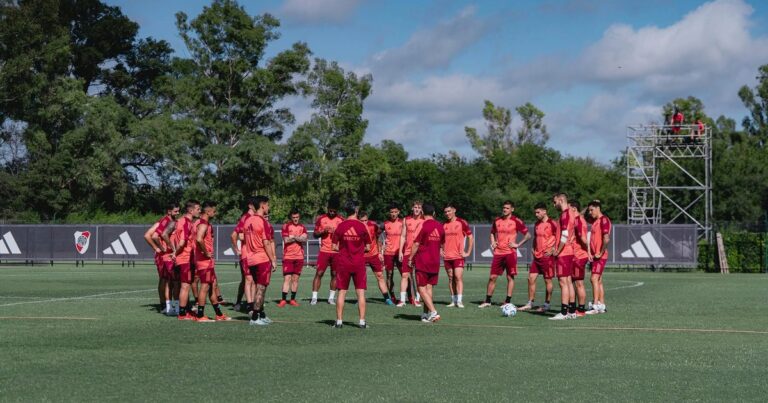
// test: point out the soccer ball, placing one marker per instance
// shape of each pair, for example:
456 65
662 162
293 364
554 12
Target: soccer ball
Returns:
508 310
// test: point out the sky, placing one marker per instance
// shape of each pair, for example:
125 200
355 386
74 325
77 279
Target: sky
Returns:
592 66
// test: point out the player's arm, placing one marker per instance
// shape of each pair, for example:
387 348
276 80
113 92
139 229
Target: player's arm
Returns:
526 238
606 239
287 238
402 240
319 232
182 243
150 240
563 238
166 235
470 245
234 237
200 239
414 249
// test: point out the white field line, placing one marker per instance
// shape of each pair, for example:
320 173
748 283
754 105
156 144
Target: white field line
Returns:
89 296
44 318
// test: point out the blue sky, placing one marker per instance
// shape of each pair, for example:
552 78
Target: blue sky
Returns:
593 66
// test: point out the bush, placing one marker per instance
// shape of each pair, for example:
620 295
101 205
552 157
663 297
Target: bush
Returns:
745 252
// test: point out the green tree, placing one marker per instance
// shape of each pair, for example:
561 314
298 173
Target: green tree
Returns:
498 136
322 153
533 129
230 94
756 102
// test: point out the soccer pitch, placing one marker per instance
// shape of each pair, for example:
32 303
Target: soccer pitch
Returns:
92 333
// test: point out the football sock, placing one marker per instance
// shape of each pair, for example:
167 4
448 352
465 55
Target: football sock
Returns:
182 310
508 299
200 311
564 309
582 308
385 295
487 299
285 295
255 315
458 298
293 295
217 308
262 314
362 322
572 307
332 295
338 322
453 299
220 298
403 296
530 302
249 307
314 294
168 305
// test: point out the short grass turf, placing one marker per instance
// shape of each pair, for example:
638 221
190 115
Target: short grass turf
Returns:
666 337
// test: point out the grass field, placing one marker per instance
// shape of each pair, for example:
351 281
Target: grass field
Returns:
666 337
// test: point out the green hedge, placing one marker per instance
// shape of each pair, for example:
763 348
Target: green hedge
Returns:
745 252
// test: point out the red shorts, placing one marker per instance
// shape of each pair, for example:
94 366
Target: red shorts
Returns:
565 266
390 261
454 264
405 267
599 265
244 267
168 272
358 277
325 259
261 273
292 266
207 276
544 265
579 267
185 273
374 263
501 263
424 279
159 265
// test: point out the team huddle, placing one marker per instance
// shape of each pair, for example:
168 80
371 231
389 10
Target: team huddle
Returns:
413 245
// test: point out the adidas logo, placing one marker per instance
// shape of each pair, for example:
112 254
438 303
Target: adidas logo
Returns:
123 245
489 253
8 245
230 251
645 248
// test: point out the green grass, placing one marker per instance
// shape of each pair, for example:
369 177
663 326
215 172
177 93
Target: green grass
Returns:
667 337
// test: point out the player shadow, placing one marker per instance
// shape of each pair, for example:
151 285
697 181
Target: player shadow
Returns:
153 307
379 300
331 322
548 313
405 316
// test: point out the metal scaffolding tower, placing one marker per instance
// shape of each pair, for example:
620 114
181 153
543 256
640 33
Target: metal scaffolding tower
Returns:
669 176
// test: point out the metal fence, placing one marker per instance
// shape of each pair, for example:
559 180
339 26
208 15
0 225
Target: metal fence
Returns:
674 245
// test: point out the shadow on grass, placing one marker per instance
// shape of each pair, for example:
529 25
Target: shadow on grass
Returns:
405 316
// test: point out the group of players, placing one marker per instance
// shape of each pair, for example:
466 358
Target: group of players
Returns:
414 245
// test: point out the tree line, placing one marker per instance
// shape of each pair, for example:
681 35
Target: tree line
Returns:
98 122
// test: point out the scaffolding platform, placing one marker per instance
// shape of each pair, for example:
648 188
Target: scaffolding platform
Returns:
669 176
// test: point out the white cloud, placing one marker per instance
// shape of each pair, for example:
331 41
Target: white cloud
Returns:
432 48
319 11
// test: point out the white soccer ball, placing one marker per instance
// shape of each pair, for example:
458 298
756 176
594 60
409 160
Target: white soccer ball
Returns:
508 310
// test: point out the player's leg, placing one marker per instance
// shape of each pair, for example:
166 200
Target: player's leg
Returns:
532 276
458 285
332 288
286 284
563 280
323 261
510 288
497 268
216 301
361 284
294 289
405 275
202 292
451 285
241 287
389 265
343 284
185 276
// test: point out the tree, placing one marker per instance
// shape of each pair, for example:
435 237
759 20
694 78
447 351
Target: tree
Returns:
498 135
533 130
756 102
229 93
323 151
